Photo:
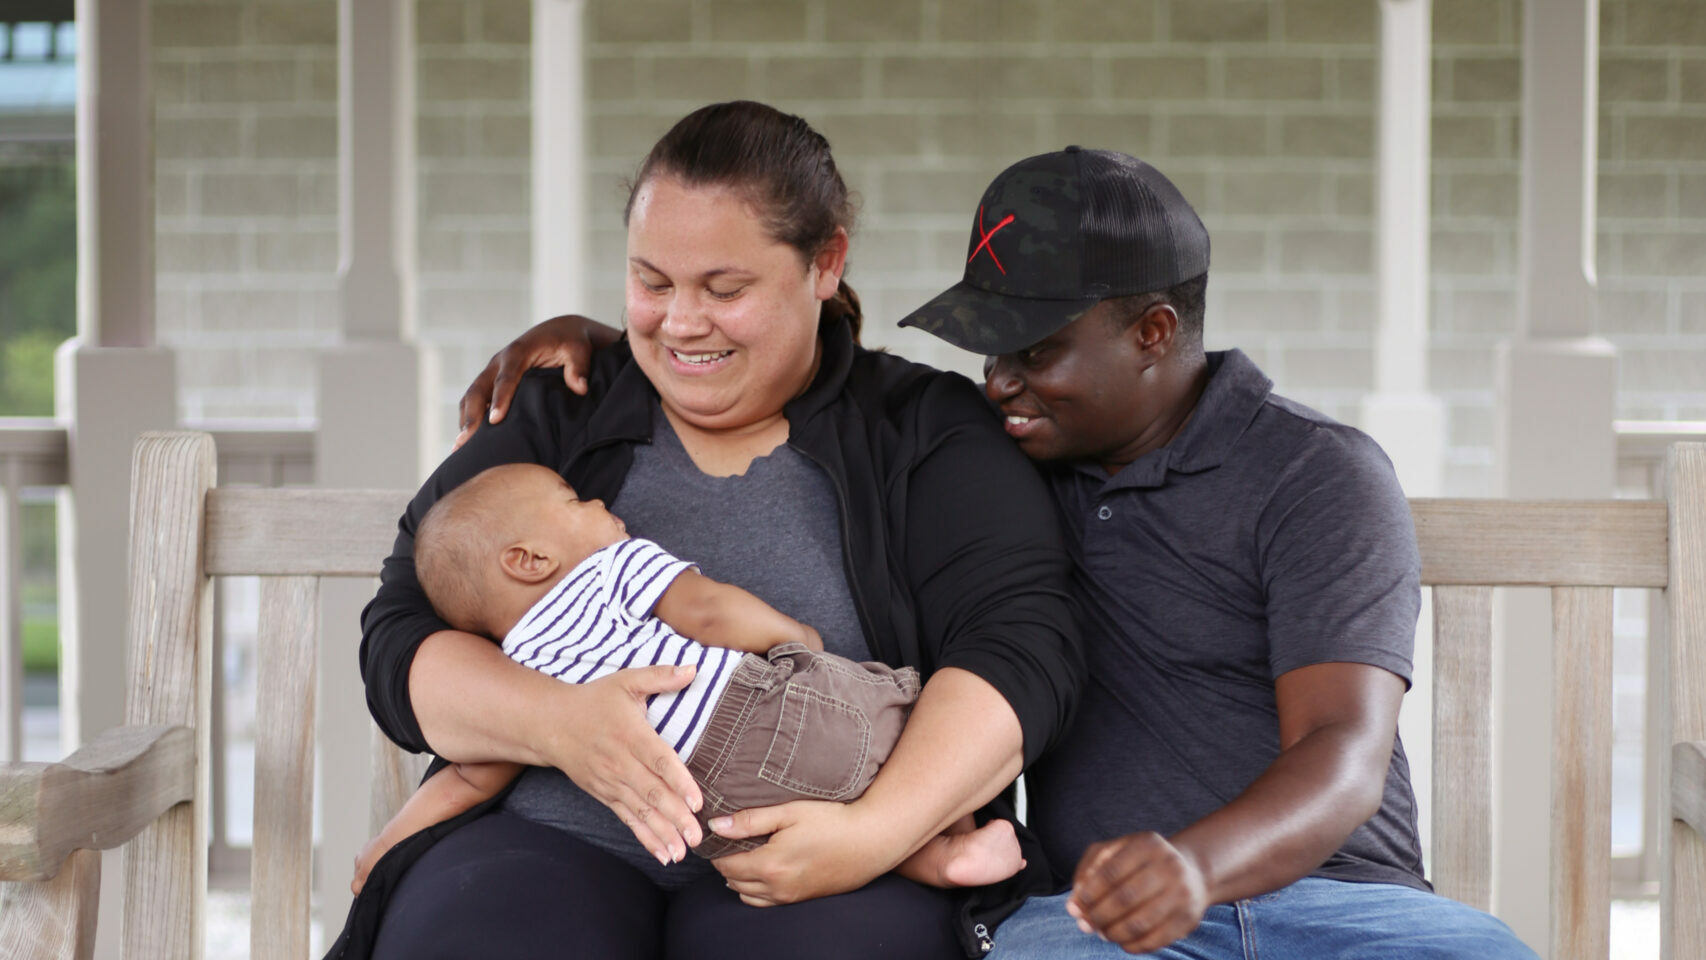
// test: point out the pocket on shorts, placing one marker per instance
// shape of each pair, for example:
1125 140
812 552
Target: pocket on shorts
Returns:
820 745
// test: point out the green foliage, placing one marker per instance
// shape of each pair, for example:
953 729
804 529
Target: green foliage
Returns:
37 537
38 249
26 374
41 646
38 280
38 311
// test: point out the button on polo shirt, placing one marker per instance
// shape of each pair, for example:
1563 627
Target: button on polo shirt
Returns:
1265 537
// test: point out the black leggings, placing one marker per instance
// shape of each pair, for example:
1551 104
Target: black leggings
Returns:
504 886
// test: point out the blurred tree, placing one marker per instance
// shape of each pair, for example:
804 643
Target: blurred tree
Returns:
38 279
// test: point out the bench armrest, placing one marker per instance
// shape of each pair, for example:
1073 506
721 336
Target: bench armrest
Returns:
1688 784
95 799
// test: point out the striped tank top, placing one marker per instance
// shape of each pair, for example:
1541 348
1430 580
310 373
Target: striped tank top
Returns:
598 620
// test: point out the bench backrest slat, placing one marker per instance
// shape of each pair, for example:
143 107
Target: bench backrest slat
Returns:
295 532
1462 727
1599 543
1581 773
287 648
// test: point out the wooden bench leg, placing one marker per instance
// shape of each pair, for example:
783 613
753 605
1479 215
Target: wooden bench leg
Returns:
53 919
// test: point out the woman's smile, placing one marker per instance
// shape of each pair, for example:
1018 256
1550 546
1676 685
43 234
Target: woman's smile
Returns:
699 362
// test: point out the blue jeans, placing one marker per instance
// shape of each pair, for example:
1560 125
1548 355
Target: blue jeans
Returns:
1313 919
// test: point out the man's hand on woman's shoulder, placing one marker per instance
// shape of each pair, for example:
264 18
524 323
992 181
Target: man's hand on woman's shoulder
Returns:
567 341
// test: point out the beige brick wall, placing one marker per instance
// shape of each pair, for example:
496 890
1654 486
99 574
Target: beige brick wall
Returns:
1263 112
474 143
246 167
245 125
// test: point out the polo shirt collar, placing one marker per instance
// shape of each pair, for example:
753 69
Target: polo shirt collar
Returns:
1235 393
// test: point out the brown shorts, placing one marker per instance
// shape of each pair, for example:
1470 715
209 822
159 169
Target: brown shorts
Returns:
794 724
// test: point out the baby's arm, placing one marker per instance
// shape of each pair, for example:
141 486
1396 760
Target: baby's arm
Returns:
722 615
456 788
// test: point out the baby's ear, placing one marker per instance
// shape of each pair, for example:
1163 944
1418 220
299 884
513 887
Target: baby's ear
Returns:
527 562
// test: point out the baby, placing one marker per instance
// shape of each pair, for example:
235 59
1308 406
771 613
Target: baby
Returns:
768 717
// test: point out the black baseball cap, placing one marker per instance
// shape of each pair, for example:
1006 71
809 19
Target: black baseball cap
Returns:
1056 234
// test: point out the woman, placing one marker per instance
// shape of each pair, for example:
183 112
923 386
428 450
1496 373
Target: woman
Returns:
873 498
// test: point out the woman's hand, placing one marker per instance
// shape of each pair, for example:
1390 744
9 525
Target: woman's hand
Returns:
609 749
566 341
816 848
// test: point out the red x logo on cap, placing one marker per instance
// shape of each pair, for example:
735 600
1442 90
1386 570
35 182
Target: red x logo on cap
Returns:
984 238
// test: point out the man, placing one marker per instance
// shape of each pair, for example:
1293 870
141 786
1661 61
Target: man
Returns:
1248 576
1248 579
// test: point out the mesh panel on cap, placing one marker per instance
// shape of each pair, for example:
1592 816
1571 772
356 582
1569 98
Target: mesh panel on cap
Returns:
1140 234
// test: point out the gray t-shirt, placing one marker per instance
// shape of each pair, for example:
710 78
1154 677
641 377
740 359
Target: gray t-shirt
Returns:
775 531
1265 537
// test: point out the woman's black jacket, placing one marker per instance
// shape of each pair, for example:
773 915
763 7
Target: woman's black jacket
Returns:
951 546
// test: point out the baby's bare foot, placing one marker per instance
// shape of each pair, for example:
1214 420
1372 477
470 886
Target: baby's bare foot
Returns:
985 855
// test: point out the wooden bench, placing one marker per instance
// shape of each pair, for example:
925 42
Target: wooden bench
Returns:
137 785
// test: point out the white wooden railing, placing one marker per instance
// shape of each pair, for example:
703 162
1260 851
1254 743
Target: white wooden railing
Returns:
32 456
33 465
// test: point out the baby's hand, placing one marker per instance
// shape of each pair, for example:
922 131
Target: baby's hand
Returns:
811 638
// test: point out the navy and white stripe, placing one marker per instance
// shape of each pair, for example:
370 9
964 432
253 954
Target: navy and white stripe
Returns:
598 620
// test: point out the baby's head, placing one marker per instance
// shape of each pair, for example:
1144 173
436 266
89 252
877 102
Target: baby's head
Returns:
489 549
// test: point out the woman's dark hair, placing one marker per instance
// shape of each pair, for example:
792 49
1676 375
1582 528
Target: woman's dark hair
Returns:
779 161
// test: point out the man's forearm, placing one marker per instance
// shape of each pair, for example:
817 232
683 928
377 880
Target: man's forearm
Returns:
1290 820
475 704
961 747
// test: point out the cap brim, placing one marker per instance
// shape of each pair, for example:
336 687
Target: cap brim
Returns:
975 319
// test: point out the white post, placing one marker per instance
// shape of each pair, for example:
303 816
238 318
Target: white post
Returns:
11 614
1557 386
369 391
1402 414
559 158
111 383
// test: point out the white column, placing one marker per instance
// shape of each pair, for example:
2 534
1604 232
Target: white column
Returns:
1557 386
11 615
559 158
370 390
1402 414
111 383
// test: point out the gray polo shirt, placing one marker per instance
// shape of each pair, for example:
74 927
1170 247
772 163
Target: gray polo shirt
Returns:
1264 538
